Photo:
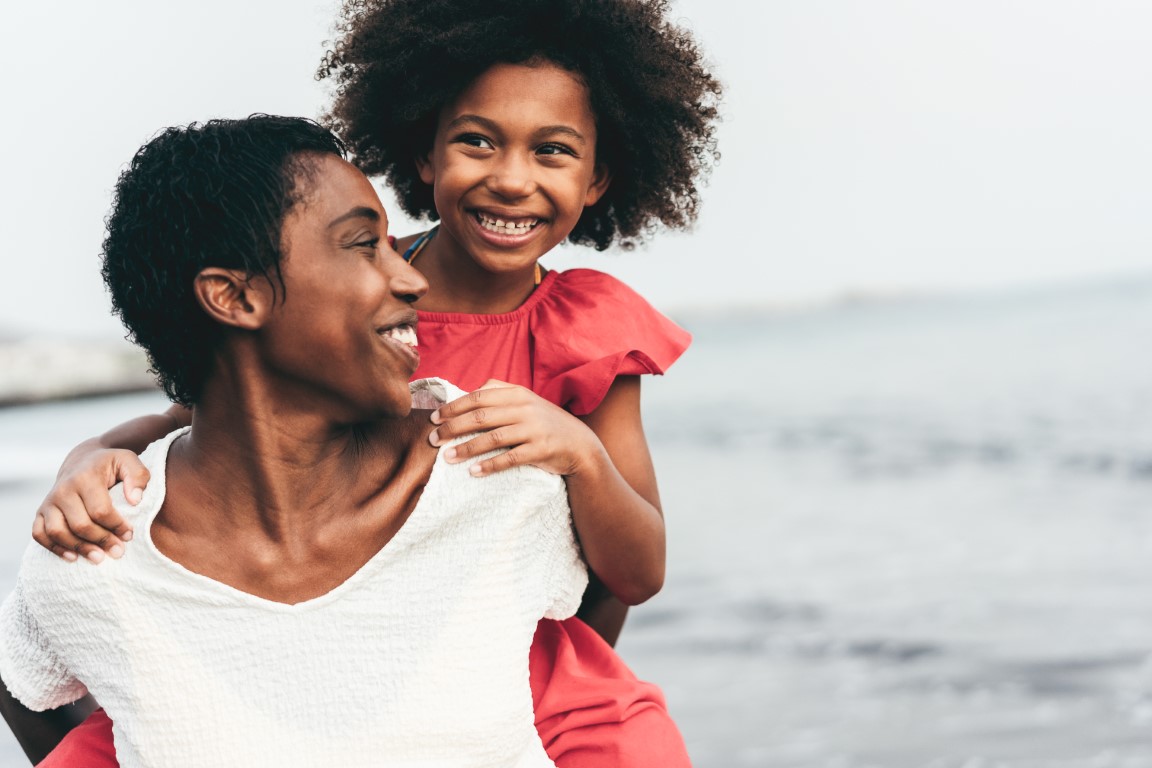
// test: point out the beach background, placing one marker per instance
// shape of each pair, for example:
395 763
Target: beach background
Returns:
907 462
903 533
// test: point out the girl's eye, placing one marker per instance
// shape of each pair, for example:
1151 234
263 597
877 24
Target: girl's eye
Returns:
555 149
474 140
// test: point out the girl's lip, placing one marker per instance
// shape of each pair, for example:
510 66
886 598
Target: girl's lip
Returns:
505 239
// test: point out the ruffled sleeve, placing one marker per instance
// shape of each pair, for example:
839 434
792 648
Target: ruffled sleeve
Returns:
591 328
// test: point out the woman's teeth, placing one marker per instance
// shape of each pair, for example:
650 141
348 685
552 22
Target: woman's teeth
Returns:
502 227
404 334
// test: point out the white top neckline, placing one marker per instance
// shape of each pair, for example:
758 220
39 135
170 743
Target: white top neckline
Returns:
155 494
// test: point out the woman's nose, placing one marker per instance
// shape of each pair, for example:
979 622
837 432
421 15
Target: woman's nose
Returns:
405 281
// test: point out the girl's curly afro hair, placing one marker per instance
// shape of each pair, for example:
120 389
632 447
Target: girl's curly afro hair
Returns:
397 62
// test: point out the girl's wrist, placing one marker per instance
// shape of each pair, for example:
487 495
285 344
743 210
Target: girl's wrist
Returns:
79 453
592 462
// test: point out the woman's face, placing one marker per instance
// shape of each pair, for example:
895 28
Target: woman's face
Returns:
513 164
344 334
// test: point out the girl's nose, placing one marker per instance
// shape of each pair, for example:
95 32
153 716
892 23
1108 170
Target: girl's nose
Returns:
512 178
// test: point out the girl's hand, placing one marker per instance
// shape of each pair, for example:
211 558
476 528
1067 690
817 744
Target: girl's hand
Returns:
77 517
534 430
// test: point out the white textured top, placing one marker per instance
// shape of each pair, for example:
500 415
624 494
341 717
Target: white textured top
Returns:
419 659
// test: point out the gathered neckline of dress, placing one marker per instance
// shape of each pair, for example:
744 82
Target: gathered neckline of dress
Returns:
499 318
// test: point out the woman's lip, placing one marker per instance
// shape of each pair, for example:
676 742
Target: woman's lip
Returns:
408 351
407 316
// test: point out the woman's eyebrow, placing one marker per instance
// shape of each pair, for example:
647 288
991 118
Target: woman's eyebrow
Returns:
359 212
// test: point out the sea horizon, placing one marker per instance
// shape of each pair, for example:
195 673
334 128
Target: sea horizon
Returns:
901 534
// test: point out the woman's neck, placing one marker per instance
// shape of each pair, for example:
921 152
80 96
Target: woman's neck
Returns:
258 461
286 508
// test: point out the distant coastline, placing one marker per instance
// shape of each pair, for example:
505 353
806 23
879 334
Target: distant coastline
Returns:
35 370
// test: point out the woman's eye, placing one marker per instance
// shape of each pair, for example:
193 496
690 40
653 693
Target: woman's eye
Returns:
474 140
369 244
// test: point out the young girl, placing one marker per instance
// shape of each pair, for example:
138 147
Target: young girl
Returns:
517 124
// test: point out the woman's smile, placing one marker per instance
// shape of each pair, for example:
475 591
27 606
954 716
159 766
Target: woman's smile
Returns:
402 337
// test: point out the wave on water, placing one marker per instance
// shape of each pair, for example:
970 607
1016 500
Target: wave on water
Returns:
901 534
1056 379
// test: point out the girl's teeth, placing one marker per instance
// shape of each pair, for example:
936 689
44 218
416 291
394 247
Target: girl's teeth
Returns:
505 227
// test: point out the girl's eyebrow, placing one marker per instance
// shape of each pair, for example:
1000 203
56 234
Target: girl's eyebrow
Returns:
463 120
563 130
490 126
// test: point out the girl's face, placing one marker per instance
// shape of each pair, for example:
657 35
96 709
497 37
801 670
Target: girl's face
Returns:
513 164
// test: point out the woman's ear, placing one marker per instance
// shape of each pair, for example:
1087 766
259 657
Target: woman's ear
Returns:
233 297
601 178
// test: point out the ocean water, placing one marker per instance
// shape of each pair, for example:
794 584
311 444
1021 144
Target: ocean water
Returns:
908 533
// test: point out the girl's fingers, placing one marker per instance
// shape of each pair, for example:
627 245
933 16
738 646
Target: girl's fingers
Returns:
93 519
503 437
59 534
65 554
484 420
135 476
506 460
503 416
40 536
494 394
97 505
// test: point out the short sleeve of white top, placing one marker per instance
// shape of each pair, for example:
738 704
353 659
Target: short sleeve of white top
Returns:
419 659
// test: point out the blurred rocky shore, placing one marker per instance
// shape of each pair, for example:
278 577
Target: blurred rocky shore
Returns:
39 369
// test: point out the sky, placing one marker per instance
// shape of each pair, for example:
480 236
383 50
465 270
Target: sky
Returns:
869 149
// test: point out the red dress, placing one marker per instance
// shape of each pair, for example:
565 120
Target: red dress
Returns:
573 336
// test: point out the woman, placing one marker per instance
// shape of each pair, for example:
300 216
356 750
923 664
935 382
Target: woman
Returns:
311 584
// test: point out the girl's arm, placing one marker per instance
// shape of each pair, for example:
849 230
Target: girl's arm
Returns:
38 733
617 422
604 459
77 518
614 499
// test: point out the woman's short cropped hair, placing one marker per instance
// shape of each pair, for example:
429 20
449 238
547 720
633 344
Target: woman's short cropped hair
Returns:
206 195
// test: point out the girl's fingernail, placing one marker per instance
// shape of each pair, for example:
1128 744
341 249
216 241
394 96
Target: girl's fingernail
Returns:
436 416
127 536
134 495
434 438
449 454
95 556
475 470
70 556
116 551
